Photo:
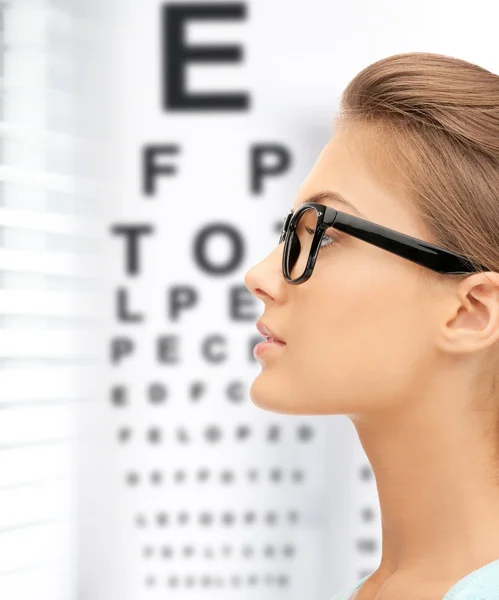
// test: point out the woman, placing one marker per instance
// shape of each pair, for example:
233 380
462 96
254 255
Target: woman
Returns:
385 295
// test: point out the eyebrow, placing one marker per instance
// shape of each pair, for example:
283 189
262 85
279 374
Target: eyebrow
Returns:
334 196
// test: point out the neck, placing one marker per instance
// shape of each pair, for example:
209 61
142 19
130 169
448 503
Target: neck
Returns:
437 484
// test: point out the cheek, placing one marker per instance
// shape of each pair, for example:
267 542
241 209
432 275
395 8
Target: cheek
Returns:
358 343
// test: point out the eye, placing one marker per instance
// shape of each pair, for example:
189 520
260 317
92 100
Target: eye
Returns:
327 240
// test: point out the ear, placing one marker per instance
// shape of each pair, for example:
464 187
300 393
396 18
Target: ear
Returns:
472 314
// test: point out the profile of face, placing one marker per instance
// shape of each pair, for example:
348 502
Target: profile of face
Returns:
358 333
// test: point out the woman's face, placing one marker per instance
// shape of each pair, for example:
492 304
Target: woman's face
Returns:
358 332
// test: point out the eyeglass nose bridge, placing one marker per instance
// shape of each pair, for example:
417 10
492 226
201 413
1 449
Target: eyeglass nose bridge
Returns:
285 226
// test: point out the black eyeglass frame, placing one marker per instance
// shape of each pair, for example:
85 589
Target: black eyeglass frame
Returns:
406 246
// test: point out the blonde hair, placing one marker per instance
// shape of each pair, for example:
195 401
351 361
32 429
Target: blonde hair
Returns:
434 121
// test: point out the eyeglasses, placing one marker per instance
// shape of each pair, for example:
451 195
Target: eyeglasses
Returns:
303 231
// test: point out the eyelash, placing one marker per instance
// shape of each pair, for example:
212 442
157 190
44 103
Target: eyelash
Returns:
327 246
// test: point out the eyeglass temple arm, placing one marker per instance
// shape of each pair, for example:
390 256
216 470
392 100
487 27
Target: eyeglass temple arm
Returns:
421 252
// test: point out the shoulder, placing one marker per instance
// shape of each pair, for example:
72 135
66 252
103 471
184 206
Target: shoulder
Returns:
347 591
482 584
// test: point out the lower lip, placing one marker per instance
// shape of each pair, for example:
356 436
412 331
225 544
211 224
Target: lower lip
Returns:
264 346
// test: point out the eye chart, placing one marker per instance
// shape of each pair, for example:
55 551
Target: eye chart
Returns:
217 112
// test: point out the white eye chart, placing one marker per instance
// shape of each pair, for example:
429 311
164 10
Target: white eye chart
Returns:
216 113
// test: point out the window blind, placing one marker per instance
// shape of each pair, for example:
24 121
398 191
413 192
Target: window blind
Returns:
49 248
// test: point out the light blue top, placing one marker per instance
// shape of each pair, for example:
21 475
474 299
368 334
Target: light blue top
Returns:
481 584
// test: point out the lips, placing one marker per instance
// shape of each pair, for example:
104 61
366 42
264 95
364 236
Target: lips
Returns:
268 333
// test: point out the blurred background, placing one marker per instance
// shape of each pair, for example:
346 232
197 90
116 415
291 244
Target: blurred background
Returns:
149 152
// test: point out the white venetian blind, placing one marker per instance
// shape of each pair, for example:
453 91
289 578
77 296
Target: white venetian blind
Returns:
49 247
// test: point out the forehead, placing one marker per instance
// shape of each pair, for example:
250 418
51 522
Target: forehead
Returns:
336 179
345 167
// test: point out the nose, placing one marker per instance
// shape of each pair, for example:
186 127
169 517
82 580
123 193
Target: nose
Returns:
265 279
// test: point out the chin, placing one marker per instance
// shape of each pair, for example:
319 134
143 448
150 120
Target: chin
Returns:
268 393
275 399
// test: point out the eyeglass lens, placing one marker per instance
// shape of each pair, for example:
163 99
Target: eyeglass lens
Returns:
300 243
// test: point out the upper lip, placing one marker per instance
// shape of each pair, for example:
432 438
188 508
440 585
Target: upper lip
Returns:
267 332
